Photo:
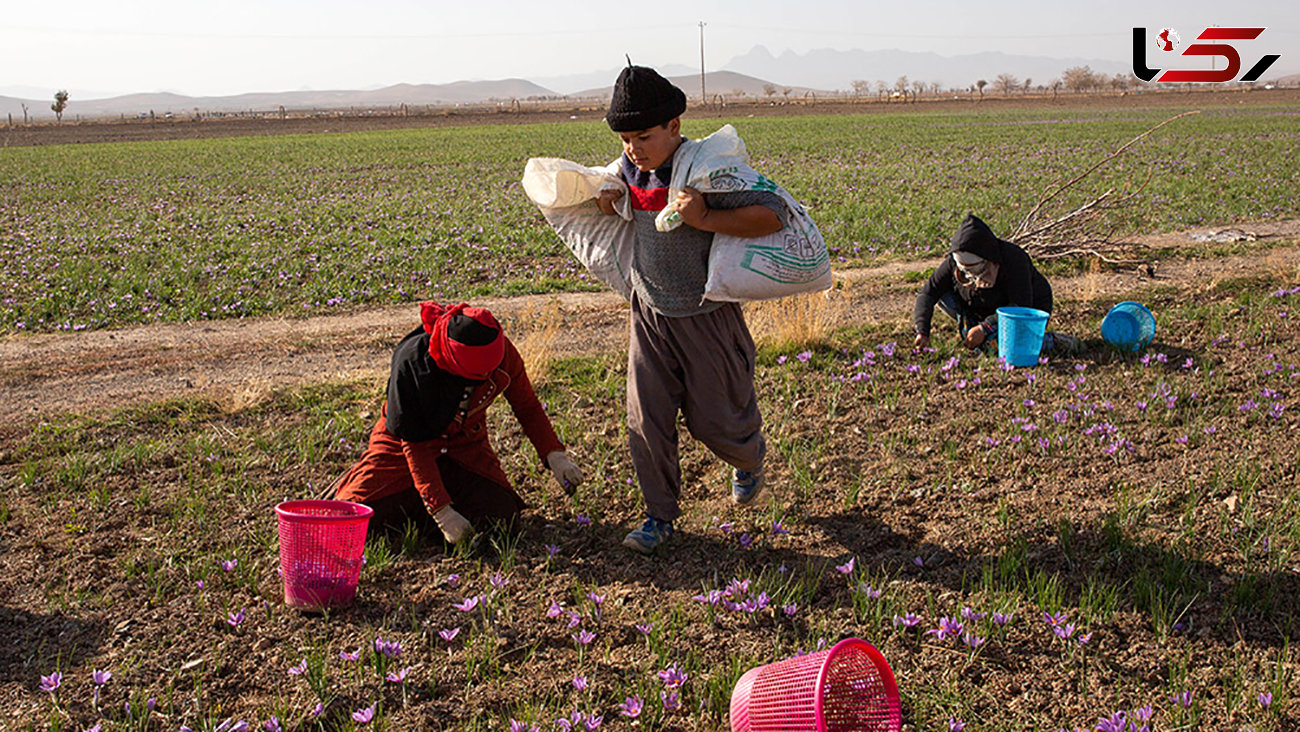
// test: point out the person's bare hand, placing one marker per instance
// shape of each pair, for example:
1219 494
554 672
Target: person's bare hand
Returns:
975 337
921 341
606 200
690 204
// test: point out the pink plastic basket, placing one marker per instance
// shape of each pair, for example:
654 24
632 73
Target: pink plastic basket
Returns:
847 687
321 546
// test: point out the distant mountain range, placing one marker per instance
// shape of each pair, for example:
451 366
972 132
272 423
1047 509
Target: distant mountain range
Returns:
756 73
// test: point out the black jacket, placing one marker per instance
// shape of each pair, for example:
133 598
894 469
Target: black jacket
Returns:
1018 282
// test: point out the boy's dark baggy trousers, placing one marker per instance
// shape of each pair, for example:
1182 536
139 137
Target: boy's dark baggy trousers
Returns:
702 366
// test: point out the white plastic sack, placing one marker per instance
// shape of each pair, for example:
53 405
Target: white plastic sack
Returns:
788 262
566 194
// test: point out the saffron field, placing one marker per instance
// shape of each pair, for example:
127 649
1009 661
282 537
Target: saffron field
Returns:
1107 541
106 235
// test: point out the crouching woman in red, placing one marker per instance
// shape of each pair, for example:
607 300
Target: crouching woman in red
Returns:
429 454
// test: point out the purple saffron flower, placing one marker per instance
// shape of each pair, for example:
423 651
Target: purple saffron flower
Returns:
918 562
746 541
645 628
52 682
575 619
1143 713
1265 699
554 610
229 564
453 580
592 722
365 714
100 677
582 521
790 609
317 710
271 725
391 649
631 707
1084 638
584 637
948 628
1182 698
907 620
670 700
468 604
778 529
971 615
847 567
580 683
517 726
1000 619
498 581
345 656
803 357
551 550
871 592
449 634
673 677
972 640
1114 723
1055 619
300 669
398 677
1063 631
955 725
236 618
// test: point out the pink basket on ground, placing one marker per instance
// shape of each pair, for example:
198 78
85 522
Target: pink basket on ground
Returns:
321 547
846 687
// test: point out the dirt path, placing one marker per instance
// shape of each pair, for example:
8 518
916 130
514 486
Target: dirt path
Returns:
48 374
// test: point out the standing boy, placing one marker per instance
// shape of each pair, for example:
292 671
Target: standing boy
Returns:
685 354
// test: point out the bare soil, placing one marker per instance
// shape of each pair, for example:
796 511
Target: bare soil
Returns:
47 374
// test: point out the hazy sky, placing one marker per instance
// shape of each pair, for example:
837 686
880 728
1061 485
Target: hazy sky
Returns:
233 46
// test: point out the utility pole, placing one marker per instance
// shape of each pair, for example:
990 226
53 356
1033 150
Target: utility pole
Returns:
704 99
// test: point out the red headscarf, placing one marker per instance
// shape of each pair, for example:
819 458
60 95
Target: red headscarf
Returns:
454 356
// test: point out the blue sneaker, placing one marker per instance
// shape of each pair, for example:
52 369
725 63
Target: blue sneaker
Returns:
652 534
747 487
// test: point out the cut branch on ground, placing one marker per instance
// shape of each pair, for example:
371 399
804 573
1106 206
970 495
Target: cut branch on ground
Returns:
1048 232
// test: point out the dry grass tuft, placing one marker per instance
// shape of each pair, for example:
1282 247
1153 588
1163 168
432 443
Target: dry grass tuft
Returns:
1091 282
534 331
801 321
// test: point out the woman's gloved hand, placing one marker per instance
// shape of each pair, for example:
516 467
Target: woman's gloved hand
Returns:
455 528
567 474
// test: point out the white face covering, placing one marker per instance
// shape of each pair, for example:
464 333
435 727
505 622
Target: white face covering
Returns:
975 269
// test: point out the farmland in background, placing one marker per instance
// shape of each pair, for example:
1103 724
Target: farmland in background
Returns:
1102 542
105 235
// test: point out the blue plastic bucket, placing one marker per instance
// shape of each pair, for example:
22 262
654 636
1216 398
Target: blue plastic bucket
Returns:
1129 325
1020 335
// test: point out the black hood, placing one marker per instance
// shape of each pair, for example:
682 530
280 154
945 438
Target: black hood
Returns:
976 237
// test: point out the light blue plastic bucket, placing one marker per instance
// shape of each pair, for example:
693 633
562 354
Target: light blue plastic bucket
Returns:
1129 326
1020 335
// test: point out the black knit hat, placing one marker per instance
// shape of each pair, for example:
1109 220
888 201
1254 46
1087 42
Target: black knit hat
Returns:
643 99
